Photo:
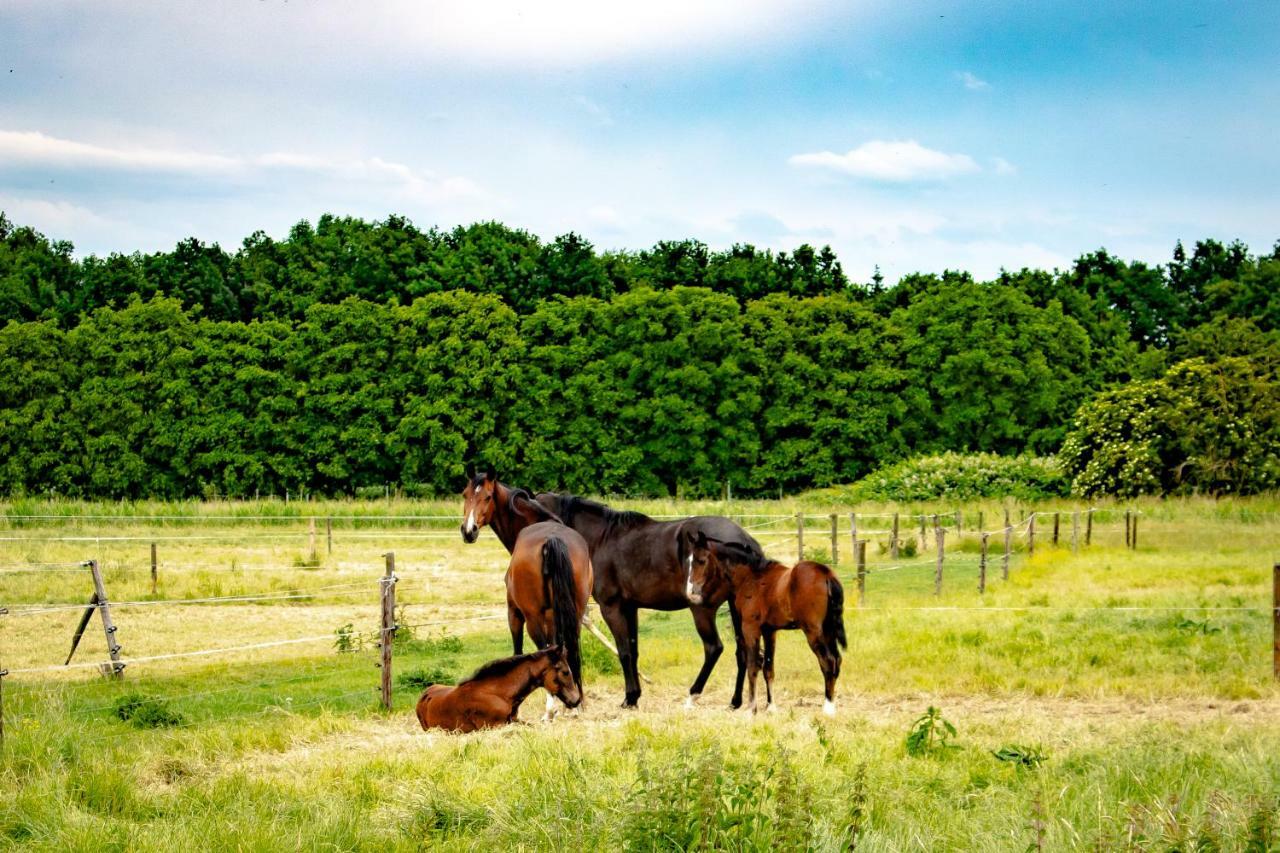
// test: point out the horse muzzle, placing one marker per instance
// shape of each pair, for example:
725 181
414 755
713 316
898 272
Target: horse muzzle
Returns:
471 535
694 594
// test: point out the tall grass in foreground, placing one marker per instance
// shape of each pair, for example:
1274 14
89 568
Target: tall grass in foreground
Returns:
1154 729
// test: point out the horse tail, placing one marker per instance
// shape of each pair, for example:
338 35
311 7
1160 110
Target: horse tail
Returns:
557 579
833 622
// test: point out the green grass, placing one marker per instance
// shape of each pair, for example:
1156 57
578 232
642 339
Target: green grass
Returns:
1159 726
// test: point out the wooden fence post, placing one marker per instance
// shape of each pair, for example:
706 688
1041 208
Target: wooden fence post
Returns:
3 672
893 542
940 533
1275 621
311 537
1135 531
982 566
154 567
1008 545
1031 535
388 583
1075 531
1088 528
1126 528
861 550
835 545
1057 518
853 531
799 537
328 533
108 627
958 520
924 542
981 521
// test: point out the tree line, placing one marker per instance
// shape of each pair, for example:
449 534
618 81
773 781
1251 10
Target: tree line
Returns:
355 354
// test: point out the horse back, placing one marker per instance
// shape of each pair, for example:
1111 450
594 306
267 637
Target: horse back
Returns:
807 586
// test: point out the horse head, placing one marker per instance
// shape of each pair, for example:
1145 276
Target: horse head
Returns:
479 501
558 679
700 565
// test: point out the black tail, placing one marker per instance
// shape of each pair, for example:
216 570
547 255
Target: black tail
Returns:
557 579
833 623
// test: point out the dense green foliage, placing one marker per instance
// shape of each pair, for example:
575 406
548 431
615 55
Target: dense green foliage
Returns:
961 476
358 354
1205 426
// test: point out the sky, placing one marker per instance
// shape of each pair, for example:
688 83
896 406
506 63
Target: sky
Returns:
913 136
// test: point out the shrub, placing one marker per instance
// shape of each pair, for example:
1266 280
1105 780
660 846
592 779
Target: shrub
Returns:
1202 427
425 676
146 712
963 476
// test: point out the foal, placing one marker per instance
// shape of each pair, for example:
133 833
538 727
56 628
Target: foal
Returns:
769 598
492 696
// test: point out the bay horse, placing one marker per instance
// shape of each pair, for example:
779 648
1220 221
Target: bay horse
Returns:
492 696
639 563
549 577
772 597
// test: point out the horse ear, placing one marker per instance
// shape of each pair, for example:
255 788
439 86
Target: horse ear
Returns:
470 470
492 474
702 540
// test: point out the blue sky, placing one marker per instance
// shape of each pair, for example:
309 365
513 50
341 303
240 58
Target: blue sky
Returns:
916 135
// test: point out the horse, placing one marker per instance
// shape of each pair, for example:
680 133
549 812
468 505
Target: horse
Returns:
549 577
771 597
639 562
492 696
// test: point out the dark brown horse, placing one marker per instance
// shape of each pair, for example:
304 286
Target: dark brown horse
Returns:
639 562
549 576
771 597
492 696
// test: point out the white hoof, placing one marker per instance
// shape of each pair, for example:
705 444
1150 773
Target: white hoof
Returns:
771 708
553 708
691 701
752 709
829 708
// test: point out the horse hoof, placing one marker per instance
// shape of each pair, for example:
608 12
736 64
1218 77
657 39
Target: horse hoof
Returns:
771 708
691 701
829 708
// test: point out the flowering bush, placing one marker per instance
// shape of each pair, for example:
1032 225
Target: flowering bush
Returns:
1202 427
965 475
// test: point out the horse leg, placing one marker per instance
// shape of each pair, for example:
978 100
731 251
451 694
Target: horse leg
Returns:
751 635
739 654
633 637
828 662
616 619
704 619
770 641
515 621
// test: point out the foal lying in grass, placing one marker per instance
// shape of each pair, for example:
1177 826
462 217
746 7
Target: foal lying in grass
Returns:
492 696
771 597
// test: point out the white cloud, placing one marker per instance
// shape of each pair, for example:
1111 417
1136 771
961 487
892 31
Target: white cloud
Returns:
600 115
894 162
971 81
1002 166
35 149
514 32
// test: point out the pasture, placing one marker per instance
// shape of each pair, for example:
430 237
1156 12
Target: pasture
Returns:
1102 698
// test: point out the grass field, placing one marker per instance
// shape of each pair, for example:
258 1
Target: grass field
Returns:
1136 684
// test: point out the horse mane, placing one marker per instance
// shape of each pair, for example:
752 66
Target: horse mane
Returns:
541 511
502 666
615 520
740 554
